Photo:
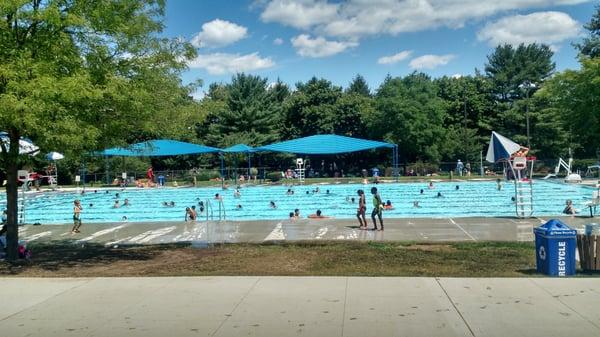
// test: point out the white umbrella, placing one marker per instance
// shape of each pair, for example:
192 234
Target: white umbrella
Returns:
55 156
26 146
500 148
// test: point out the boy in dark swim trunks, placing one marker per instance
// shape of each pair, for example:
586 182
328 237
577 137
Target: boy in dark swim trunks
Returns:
76 216
362 209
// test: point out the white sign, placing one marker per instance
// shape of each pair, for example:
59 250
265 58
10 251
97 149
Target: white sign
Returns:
77 179
124 175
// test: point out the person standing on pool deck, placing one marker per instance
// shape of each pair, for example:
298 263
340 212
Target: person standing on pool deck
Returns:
76 216
377 209
362 209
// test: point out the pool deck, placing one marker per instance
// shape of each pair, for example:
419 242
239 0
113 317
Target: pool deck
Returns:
201 232
299 306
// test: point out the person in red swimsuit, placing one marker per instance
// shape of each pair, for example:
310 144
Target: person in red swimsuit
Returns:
150 174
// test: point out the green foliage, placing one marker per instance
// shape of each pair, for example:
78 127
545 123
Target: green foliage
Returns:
244 111
590 46
409 113
273 176
359 86
508 68
82 75
572 98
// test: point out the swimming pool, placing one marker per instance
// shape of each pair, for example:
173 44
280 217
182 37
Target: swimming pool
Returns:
471 199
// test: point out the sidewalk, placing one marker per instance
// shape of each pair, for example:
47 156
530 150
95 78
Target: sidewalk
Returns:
295 306
399 229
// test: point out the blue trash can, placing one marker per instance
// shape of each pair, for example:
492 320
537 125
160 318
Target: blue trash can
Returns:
555 245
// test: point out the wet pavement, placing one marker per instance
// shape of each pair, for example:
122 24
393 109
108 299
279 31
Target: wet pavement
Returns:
418 230
299 306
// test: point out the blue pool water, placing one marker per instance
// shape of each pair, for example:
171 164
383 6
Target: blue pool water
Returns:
472 199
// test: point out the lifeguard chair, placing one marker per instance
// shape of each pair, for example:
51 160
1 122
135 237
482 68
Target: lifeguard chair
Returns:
519 166
300 169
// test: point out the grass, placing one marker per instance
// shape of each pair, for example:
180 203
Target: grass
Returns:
492 259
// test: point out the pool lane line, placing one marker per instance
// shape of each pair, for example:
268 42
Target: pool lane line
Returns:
462 229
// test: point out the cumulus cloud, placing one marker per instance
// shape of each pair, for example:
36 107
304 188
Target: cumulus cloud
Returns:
542 27
430 61
219 33
301 14
401 56
223 63
278 41
319 46
353 19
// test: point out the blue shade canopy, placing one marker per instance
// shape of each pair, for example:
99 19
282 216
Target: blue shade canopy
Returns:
500 148
325 144
239 148
158 148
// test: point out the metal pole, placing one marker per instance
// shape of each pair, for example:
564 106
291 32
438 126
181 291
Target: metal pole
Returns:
527 117
222 171
481 163
249 164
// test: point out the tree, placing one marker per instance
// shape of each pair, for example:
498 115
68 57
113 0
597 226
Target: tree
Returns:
359 86
245 112
590 46
509 67
410 114
572 98
311 108
80 75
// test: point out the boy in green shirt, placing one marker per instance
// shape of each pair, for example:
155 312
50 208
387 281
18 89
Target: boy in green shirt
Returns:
377 209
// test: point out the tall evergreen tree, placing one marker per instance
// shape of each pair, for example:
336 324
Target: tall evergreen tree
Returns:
508 68
247 113
590 46
359 86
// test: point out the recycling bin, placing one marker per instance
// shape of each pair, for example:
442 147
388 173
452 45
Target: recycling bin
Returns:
555 245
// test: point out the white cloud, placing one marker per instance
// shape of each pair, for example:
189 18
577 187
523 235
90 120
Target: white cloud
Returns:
541 27
430 61
219 33
319 46
353 19
301 14
222 63
278 41
401 56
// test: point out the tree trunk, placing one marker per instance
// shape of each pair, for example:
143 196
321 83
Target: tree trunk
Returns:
11 161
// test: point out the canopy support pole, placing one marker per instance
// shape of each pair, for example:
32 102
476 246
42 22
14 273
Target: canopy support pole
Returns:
222 170
395 162
249 164
106 169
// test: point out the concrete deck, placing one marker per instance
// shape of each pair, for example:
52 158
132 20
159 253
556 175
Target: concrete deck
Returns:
299 306
419 230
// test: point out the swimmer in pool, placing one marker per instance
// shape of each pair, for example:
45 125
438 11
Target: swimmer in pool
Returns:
237 193
272 205
318 215
388 205
439 195
116 205
416 204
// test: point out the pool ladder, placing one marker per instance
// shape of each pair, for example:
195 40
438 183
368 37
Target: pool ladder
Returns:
524 198
210 211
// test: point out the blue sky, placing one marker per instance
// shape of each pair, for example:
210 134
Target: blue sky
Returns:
296 39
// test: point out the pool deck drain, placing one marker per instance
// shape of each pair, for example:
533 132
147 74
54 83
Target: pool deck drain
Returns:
411 229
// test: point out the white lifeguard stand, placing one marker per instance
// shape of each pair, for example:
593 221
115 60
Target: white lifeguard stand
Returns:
24 177
514 157
300 169
522 171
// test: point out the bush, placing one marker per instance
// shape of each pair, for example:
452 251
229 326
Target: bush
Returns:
206 175
274 176
422 168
